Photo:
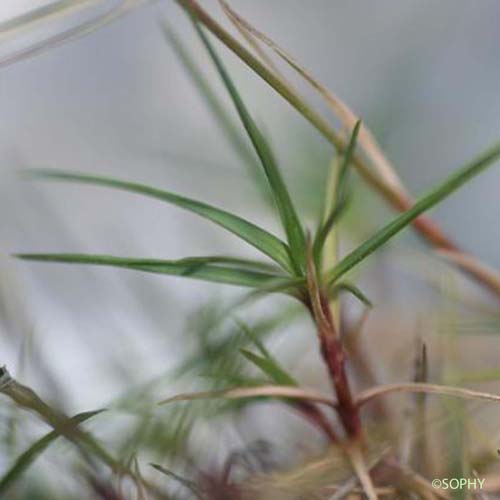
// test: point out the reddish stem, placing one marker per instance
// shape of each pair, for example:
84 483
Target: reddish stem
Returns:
335 358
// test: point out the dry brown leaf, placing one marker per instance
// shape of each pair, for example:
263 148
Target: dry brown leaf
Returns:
276 391
73 33
443 390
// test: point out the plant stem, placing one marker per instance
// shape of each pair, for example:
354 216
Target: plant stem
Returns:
332 351
334 356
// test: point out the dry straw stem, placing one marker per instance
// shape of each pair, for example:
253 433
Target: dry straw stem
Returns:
272 391
442 390
470 264
51 12
355 454
351 485
82 29
347 117
386 187
348 489
411 480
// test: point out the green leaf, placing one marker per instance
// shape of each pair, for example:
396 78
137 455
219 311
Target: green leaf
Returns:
250 334
250 264
31 454
223 119
252 234
192 268
340 196
352 289
190 485
435 196
270 367
266 362
288 215
319 242
346 162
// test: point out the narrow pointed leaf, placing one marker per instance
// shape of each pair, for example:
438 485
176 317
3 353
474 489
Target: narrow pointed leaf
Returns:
79 30
190 485
340 198
216 106
435 196
270 367
414 387
325 229
346 162
266 361
250 264
353 290
288 215
270 391
264 241
24 461
249 333
192 268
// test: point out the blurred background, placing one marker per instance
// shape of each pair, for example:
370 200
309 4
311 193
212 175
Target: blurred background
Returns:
424 75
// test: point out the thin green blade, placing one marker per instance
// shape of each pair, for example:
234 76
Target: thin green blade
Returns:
251 335
340 197
435 196
191 268
270 367
190 485
288 215
346 162
266 361
24 461
353 290
264 241
216 106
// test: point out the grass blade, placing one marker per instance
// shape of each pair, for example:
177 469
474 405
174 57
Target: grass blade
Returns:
270 391
84 28
339 108
439 193
30 19
254 339
35 450
341 190
339 199
190 485
264 241
425 226
192 268
289 94
288 215
270 367
217 108
353 290
265 362
415 387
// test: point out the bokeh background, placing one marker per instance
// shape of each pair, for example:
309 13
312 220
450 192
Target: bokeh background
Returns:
423 74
